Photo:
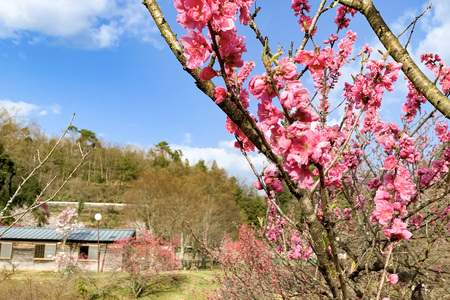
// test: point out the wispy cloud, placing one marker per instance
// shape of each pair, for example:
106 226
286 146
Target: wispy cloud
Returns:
226 157
187 138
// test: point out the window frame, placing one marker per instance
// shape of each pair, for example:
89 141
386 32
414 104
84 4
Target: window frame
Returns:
47 249
94 248
10 251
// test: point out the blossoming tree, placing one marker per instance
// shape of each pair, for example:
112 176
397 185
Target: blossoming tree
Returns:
373 194
142 258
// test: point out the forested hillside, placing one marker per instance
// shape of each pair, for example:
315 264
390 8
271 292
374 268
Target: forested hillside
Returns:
162 190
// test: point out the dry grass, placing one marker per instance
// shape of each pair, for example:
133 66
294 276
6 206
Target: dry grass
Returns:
187 285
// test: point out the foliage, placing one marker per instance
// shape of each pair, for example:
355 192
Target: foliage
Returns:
142 258
169 198
372 194
253 206
113 173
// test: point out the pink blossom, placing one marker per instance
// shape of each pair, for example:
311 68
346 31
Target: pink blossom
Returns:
331 39
308 145
407 150
405 188
302 174
390 163
383 212
196 49
257 86
393 279
193 13
287 69
299 6
244 97
442 132
220 93
231 47
345 47
316 61
389 181
245 71
294 95
388 143
381 195
223 15
258 185
305 115
398 230
230 126
207 73
244 15
268 114
307 253
375 183
279 139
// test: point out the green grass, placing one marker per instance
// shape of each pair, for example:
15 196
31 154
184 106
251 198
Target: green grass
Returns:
187 285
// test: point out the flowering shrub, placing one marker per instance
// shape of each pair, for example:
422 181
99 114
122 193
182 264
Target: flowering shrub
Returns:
373 194
142 258
67 263
252 270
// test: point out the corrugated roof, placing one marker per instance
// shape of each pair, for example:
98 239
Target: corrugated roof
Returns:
80 235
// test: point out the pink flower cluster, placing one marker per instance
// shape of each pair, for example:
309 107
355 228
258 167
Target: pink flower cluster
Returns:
391 200
414 99
298 251
439 69
301 7
341 21
219 16
275 224
324 65
367 90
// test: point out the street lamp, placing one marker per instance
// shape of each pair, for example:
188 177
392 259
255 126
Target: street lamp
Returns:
98 217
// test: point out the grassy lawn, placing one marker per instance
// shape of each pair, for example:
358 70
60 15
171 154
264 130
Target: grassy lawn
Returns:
187 285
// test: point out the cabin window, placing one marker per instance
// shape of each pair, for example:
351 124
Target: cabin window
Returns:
5 250
88 252
44 251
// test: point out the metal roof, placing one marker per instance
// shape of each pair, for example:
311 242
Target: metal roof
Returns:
80 235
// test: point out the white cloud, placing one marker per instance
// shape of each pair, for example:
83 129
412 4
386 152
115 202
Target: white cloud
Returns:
18 108
436 25
24 109
226 157
83 23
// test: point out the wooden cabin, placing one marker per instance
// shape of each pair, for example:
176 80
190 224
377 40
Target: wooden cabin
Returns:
35 248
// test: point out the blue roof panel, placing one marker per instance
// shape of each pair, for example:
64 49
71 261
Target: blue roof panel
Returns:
80 235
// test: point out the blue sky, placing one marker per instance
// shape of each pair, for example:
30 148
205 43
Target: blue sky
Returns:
106 62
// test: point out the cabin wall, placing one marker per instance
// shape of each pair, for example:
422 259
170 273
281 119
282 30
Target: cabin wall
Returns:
22 257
